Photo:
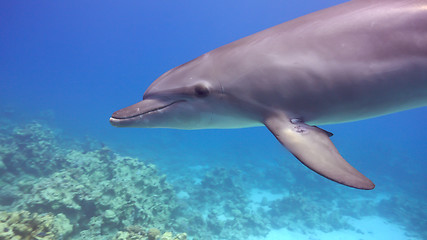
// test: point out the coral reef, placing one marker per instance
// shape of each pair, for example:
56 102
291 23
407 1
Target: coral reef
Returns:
297 211
405 211
219 207
26 225
32 149
99 191
104 191
137 233
95 193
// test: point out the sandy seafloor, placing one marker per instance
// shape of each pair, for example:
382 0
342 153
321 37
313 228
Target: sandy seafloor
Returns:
371 227
375 228
66 66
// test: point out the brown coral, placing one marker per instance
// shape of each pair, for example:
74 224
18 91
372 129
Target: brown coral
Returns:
25 225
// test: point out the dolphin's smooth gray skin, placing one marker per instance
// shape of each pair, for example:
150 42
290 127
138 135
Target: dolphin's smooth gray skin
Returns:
357 60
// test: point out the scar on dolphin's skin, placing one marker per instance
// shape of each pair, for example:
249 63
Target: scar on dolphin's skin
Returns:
330 66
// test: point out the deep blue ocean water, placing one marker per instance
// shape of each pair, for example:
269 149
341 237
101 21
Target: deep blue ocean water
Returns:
73 63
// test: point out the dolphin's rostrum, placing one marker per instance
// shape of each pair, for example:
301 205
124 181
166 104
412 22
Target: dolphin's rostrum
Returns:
357 60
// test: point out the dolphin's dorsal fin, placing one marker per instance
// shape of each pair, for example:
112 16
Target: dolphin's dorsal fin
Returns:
312 146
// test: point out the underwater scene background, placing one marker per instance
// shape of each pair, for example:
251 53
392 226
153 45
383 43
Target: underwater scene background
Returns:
65 173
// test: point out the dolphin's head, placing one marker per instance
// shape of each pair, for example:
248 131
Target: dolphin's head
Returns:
186 97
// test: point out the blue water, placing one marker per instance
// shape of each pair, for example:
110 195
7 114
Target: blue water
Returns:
73 63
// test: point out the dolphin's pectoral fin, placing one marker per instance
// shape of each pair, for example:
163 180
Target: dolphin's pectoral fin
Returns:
312 146
327 133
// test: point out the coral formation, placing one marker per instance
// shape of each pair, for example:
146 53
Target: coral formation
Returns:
405 211
26 225
137 233
99 191
105 191
31 149
297 211
96 192
219 206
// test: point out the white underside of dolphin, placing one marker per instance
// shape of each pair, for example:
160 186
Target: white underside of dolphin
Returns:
357 60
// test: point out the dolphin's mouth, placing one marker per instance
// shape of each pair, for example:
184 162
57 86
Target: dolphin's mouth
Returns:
126 116
118 116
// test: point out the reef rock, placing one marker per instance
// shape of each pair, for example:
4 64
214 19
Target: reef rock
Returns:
137 233
104 191
219 206
407 211
297 211
26 225
32 149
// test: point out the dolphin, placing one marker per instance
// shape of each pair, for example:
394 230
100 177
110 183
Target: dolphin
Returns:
353 61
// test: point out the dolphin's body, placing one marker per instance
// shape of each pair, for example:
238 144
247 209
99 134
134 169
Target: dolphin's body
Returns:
357 60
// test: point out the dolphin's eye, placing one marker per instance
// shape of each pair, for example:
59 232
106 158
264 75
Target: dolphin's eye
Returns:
201 91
